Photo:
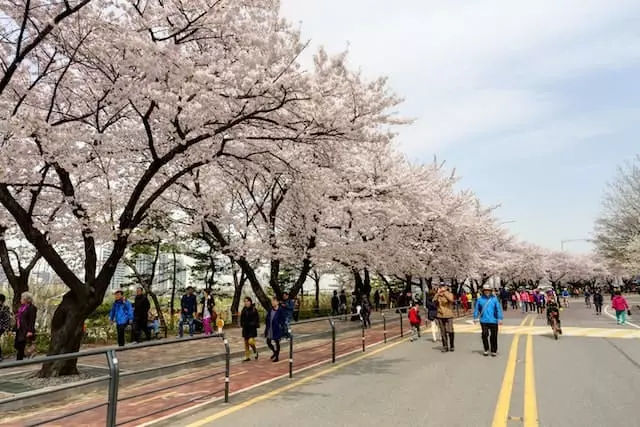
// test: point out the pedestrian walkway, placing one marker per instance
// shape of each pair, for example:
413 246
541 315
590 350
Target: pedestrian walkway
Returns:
165 396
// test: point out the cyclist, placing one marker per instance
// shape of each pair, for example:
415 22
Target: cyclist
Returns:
565 298
553 310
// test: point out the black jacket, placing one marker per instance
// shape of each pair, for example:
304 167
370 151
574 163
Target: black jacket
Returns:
189 303
27 324
210 305
141 307
597 299
250 322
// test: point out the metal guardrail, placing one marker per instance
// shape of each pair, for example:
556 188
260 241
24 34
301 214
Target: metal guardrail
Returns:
115 375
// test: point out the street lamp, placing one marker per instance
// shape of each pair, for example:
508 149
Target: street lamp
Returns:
562 242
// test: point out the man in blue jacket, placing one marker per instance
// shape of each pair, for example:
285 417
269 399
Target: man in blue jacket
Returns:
121 314
489 311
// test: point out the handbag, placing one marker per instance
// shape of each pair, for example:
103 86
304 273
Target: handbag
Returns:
628 312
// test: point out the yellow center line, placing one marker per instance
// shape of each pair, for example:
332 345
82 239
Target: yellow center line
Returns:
501 415
530 398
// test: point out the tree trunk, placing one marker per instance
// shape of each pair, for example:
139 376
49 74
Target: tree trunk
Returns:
19 285
359 284
172 303
316 304
263 298
237 294
408 280
66 333
366 285
274 276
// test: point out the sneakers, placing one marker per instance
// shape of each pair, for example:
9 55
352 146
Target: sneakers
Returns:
494 354
485 354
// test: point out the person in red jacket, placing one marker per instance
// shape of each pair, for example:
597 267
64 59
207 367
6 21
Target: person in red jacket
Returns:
415 320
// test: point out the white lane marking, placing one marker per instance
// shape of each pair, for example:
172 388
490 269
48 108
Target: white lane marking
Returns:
606 311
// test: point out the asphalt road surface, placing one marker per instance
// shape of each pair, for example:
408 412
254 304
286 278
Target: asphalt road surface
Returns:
589 377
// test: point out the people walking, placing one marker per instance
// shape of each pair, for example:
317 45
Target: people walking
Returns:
249 322
274 326
415 321
489 312
188 307
432 313
5 319
598 301
208 313
141 308
444 300
121 314
621 306
335 304
343 304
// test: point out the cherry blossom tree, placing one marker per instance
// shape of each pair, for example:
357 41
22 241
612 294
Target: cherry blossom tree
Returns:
618 227
105 112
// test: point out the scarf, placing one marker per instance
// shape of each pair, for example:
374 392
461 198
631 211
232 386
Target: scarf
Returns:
21 310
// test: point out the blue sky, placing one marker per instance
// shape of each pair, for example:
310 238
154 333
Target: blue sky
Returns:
534 102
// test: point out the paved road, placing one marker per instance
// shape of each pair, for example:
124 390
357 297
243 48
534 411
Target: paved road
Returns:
581 380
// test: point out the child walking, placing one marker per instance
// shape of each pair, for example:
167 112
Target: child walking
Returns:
415 321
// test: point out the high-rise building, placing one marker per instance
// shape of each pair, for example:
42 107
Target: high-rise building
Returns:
121 275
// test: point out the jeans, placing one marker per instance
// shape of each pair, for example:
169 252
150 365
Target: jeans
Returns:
185 318
598 308
121 331
490 337
621 316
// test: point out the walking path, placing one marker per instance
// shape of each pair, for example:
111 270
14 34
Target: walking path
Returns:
164 396
535 381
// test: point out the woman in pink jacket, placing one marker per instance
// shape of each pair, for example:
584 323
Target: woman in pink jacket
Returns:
620 305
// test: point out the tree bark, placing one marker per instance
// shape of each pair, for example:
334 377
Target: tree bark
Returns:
237 294
19 283
66 333
316 305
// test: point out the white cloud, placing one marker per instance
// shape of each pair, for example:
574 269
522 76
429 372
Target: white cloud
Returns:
469 68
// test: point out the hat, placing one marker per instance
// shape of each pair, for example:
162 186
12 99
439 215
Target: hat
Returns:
486 288
118 291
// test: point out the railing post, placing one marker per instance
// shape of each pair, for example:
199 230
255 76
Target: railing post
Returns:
384 327
290 354
333 340
227 368
401 325
114 380
363 339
